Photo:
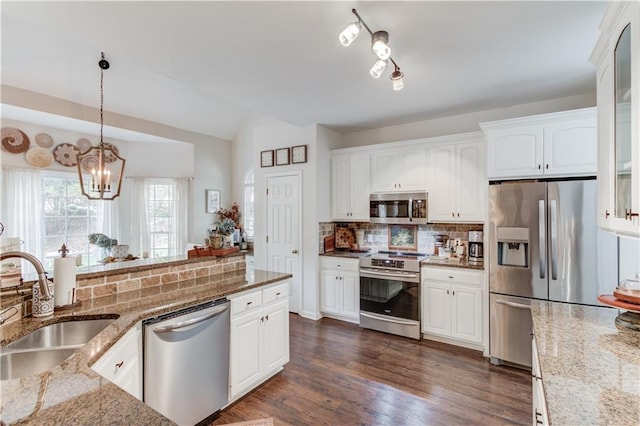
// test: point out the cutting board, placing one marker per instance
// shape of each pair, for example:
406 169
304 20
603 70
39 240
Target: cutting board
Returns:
329 244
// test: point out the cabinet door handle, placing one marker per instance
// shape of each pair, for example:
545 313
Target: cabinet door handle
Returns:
266 317
294 251
458 214
248 303
453 214
539 166
447 291
547 167
606 214
450 277
454 292
119 364
278 294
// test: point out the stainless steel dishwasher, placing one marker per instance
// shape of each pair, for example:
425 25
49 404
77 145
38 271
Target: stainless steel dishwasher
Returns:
186 362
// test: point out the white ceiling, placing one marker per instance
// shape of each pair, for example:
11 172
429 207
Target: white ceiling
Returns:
205 66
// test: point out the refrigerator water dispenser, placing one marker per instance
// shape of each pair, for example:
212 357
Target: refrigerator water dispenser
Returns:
513 247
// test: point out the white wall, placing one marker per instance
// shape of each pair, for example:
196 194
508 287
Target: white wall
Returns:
461 123
244 155
212 170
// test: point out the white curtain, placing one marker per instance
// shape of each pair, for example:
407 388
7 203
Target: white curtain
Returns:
181 214
21 208
133 216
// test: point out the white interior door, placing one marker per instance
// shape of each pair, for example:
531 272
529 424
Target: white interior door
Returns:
283 231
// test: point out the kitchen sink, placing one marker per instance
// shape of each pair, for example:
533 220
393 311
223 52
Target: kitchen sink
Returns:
15 365
46 347
61 334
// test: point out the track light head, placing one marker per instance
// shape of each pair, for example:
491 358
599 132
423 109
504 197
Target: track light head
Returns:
397 77
349 34
380 45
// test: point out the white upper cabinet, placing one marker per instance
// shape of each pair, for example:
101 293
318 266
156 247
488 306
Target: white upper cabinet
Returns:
350 187
394 170
554 145
617 56
457 182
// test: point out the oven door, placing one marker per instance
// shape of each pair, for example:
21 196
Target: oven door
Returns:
383 292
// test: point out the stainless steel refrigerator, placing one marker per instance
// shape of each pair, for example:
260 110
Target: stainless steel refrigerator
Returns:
544 243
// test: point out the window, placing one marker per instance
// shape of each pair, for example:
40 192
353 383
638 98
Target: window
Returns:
47 209
248 215
68 218
161 201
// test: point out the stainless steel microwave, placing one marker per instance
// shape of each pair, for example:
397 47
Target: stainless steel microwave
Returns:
398 208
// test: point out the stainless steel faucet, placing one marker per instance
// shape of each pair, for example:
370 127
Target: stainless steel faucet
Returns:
42 275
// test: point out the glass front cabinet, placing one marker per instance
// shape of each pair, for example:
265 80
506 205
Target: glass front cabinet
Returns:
617 57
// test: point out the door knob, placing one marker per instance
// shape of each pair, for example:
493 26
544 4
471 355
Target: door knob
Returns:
294 251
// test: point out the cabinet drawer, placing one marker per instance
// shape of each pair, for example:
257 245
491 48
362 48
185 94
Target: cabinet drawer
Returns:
246 303
456 275
277 292
341 263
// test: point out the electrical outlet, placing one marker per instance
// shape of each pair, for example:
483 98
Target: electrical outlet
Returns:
370 238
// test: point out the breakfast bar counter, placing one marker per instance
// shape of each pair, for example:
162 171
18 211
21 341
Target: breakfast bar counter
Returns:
72 393
590 369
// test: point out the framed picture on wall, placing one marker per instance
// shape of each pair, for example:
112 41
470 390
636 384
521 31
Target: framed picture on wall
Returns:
212 202
299 154
403 237
282 156
266 158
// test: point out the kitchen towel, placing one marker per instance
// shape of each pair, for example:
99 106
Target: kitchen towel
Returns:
64 279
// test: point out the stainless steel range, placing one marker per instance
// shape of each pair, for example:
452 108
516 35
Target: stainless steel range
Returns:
390 292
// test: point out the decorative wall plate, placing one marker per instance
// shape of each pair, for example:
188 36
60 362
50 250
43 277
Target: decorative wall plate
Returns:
108 155
83 144
14 140
39 157
44 140
66 154
88 163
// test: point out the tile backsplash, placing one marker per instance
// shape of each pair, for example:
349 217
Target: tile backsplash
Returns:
376 235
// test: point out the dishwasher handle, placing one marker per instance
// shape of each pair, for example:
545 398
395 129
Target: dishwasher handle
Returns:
173 327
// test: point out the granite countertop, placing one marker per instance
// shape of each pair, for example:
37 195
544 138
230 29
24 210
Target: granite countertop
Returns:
590 369
72 393
429 261
347 254
465 264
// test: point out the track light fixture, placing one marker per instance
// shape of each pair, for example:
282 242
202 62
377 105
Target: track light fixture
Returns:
379 47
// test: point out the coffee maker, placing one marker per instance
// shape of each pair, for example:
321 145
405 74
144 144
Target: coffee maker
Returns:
476 247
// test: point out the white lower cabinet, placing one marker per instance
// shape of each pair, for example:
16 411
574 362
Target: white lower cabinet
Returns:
122 363
259 344
340 288
452 304
539 411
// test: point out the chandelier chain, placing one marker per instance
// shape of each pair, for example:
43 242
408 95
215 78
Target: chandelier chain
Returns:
101 100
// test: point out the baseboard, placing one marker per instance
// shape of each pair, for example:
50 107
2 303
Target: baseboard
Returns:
469 345
311 315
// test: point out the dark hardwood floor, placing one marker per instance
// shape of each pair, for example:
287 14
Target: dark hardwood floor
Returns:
340 374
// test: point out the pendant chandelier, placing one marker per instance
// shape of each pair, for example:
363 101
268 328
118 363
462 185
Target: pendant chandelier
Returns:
100 168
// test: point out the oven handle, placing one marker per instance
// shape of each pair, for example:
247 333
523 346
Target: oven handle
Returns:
365 272
387 319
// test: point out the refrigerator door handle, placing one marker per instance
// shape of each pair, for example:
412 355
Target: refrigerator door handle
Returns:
512 304
542 236
553 205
